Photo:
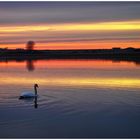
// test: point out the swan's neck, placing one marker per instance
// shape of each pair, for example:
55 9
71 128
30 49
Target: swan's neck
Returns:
35 90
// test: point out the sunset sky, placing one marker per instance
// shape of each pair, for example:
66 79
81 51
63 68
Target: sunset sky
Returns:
70 25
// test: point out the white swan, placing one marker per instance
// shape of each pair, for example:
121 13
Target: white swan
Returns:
27 95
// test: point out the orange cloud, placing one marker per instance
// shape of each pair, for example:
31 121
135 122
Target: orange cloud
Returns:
78 45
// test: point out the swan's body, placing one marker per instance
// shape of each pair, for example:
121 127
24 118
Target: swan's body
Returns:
28 95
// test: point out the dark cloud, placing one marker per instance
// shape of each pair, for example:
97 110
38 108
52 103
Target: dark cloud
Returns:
65 12
68 36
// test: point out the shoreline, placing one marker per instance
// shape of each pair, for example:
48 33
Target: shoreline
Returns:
115 54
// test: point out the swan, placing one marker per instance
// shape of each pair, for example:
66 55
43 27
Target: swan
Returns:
28 95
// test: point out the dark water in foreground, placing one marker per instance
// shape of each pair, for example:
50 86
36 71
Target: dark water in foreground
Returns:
77 99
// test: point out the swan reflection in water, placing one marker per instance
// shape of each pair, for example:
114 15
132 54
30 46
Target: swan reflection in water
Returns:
35 102
32 100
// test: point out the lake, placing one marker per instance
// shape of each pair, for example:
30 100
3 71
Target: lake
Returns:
77 99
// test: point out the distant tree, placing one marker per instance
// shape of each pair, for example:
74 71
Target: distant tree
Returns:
30 45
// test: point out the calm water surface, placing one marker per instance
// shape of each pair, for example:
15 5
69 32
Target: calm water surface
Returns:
77 99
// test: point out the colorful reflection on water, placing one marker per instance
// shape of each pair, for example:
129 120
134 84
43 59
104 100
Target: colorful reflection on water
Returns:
71 73
77 99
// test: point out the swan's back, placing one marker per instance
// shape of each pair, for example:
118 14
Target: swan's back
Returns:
27 95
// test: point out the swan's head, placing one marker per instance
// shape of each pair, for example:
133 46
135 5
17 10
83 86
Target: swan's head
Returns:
36 85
